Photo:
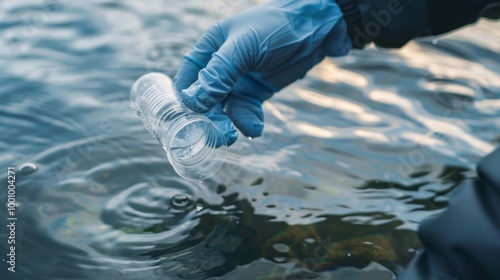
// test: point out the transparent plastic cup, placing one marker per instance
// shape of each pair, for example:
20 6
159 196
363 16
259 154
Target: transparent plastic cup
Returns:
195 146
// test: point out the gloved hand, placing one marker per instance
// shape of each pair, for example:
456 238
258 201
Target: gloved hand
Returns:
241 61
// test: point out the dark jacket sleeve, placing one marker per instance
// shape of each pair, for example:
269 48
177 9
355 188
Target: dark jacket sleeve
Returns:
463 242
392 23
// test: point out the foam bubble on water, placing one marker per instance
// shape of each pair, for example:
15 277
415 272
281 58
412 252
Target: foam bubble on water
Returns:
180 201
199 207
282 248
279 259
309 240
28 168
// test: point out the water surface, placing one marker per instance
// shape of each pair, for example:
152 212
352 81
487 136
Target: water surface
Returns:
353 157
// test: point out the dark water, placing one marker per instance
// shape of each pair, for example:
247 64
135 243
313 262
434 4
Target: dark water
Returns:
353 157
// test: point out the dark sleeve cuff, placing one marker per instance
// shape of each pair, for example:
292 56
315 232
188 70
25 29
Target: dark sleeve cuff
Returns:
463 242
352 16
393 23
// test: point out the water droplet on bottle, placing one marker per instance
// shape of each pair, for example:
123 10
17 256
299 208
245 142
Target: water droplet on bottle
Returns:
348 255
199 207
435 42
27 168
250 138
200 181
180 200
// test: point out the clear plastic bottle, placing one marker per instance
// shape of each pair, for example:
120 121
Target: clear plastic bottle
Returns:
195 146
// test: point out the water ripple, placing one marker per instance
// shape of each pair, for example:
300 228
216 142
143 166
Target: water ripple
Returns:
352 157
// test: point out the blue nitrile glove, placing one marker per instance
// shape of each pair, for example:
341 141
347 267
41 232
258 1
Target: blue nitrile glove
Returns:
241 61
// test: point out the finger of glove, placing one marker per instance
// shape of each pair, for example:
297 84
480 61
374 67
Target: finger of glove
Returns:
186 75
217 79
222 121
198 57
246 114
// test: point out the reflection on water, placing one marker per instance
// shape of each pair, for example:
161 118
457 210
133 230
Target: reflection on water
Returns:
353 157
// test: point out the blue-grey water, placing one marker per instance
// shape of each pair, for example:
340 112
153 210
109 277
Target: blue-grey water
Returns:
353 157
